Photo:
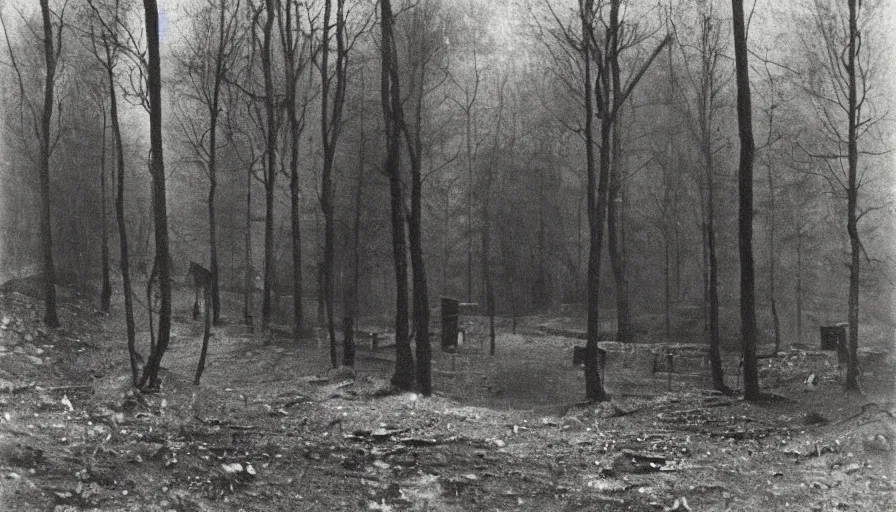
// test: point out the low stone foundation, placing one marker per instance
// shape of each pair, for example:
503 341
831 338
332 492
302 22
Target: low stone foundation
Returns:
645 359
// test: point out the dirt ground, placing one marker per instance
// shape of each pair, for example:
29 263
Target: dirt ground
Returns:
270 429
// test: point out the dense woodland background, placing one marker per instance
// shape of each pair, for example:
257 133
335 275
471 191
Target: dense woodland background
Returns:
492 98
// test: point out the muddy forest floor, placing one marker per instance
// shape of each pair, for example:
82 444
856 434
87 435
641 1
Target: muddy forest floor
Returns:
270 429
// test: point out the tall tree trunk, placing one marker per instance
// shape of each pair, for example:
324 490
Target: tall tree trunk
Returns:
326 196
624 331
446 246
704 253
668 224
420 289
327 264
852 366
706 111
150 302
212 227
667 289
403 378
414 140
351 299
715 342
745 210
249 281
597 212
799 285
214 116
271 167
608 97
614 210
348 345
776 323
50 317
540 291
486 224
486 243
106 293
511 271
124 259
326 201
331 120
296 126
160 213
469 140
486 270
580 292
594 389
206 334
296 220
296 227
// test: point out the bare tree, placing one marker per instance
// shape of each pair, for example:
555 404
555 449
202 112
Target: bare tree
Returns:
745 209
707 84
51 54
270 171
42 126
97 92
331 127
609 96
424 47
104 29
295 38
390 95
243 124
842 48
486 217
106 293
208 57
150 376
352 284
767 148
467 104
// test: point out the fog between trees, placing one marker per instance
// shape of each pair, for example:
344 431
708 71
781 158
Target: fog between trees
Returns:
522 155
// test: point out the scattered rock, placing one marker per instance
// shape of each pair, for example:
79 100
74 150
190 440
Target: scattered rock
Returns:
573 423
629 461
549 422
6 386
383 433
232 468
813 418
877 443
852 468
679 505
381 506
608 485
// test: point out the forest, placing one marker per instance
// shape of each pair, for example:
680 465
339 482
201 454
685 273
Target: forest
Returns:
454 205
